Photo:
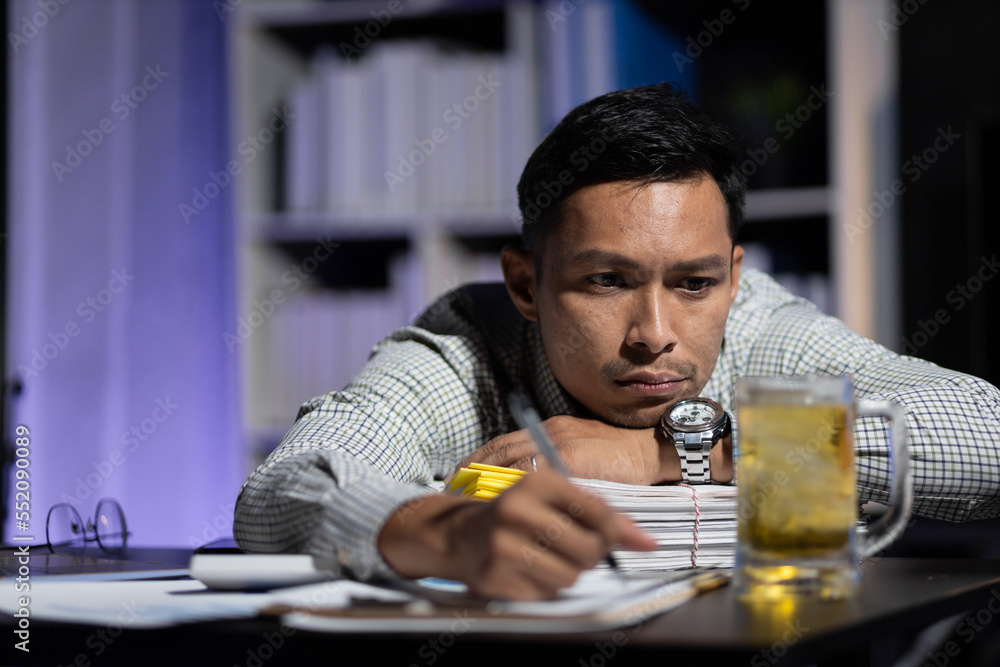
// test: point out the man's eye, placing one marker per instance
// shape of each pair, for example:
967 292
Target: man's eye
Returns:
696 284
607 280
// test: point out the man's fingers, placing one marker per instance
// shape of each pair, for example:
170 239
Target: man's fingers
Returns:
520 568
539 535
513 450
563 519
632 537
594 514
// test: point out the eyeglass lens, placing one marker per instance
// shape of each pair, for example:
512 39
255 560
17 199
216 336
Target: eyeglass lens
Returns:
111 533
65 530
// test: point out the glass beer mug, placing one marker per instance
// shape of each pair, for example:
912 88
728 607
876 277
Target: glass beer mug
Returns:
796 487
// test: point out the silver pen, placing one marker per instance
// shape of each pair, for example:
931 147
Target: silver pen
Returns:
526 417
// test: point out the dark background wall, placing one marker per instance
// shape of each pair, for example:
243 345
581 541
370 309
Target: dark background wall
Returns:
950 77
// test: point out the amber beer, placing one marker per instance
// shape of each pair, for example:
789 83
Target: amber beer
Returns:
796 473
796 487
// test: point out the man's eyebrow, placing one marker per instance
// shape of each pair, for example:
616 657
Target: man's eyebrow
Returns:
713 262
708 263
603 258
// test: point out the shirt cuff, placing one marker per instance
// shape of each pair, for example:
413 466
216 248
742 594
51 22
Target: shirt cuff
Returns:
357 550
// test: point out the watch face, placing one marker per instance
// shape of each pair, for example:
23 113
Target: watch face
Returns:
693 413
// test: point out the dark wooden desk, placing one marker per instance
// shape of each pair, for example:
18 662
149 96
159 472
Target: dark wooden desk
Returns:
899 597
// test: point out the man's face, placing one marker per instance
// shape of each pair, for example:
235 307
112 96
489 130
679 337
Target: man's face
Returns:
635 289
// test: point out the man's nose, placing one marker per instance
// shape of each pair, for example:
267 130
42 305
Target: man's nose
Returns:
651 328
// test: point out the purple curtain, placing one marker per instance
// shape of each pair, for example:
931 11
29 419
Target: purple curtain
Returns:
116 305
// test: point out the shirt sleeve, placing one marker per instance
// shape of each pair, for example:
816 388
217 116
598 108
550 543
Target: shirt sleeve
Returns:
354 456
952 419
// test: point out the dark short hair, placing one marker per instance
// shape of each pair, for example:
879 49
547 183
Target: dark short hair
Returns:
647 134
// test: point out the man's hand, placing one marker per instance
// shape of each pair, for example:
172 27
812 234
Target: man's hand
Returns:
594 449
532 540
590 448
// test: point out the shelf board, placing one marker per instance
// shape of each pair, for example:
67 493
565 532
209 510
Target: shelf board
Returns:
307 25
777 204
302 226
352 11
354 264
286 226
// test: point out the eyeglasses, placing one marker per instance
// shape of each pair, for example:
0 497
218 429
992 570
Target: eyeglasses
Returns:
66 532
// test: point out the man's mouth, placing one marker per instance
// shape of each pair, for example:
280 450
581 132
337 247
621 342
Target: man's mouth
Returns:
651 384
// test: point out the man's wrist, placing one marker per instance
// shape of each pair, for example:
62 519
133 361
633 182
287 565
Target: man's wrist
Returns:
720 460
669 463
416 539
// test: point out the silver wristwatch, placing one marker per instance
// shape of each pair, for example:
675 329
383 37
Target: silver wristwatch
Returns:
694 425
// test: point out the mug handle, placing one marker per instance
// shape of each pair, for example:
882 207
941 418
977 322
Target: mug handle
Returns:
888 527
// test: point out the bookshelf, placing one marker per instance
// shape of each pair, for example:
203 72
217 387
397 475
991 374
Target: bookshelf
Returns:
393 178
376 196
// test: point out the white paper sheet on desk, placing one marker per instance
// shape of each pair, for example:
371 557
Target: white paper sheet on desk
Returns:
598 601
164 602
137 604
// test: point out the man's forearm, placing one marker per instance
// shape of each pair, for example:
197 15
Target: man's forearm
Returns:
323 502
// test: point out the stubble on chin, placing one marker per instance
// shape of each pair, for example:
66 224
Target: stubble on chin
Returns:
637 418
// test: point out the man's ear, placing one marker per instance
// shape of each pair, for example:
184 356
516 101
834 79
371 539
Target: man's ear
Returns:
735 271
519 273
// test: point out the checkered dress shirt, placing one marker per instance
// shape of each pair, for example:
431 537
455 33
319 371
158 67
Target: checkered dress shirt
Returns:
433 392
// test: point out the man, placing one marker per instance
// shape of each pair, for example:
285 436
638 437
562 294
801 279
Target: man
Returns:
626 297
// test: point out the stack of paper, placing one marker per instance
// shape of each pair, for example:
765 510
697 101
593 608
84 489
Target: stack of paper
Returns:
694 526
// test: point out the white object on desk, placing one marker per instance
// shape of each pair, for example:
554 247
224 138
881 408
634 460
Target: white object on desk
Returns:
246 572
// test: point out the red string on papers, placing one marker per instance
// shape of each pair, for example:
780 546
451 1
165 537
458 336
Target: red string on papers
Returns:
697 524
